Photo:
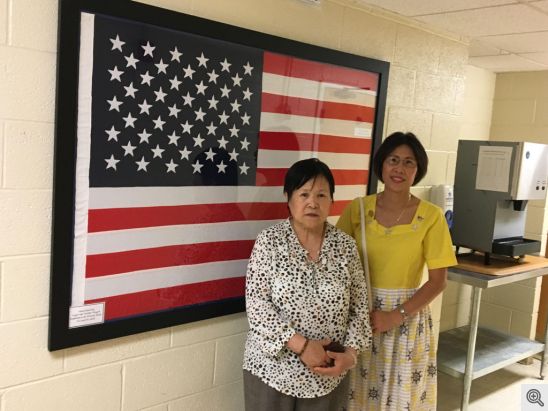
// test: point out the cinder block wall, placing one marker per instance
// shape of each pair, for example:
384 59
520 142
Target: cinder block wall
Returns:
195 366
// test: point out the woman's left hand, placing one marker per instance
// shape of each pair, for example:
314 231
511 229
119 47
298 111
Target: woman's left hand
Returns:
382 321
343 361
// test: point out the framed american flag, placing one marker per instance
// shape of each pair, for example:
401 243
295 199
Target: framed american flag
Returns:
173 134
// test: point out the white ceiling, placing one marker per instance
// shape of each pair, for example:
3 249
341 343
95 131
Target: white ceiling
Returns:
505 35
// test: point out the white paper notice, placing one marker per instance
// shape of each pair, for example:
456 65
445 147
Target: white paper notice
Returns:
494 168
86 315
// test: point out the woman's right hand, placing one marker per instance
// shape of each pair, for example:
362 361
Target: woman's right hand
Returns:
314 355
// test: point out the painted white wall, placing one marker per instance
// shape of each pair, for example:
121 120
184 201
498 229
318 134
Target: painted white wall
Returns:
195 366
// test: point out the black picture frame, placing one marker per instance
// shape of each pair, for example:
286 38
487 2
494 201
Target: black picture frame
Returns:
66 122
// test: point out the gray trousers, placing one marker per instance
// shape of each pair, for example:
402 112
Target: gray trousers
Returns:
261 397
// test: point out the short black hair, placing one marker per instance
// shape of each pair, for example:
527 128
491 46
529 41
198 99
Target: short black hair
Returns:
392 142
302 171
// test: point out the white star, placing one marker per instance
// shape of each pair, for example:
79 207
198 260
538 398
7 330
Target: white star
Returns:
211 129
225 91
201 88
243 168
233 155
189 72
128 149
188 99
226 65
237 80
213 102
144 136
114 104
173 110
144 107
213 77
198 141
115 74
221 167
158 123
111 162
197 167
146 78
148 49
247 94
210 154
248 68
200 114
173 138
130 120
112 134
186 127
184 153
175 54
174 83
202 61
130 90
223 142
131 61
142 164
245 143
223 118
160 95
157 151
245 119
171 166
161 66
117 43
234 131
235 106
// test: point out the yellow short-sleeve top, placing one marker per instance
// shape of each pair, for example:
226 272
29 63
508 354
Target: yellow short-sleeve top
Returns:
397 255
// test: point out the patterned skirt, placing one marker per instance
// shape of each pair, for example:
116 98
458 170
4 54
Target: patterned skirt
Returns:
399 371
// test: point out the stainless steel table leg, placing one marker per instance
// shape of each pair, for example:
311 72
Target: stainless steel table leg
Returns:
469 368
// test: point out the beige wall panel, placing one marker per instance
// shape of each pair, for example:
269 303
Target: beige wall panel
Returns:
475 131
480 85
118 349
229 354
535 222
206 330
453 58
416 121
522 85
435 93
2 158
495 317
514 112
523 324
417 49
512 132
92 390
369 36
437 169
167 375
512 296
3 21
541 113
224 398
29 155
401 87
23 353
24 291
163 407
182 6
30 26
445 132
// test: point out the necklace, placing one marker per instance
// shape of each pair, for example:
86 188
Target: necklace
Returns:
389 229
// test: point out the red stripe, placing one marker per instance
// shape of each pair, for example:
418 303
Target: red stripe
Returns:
148 302
137 217
273 103
275 177
321 72
270 140
122 262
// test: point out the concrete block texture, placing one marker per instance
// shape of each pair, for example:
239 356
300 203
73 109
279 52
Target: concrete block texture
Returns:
495 317
515 297
168 375
416 121
30 26
90 390
27 84
445 132
3 21
229 354
227 397
437 93
417 49
28 155
453 58
24 290
401 87
206 330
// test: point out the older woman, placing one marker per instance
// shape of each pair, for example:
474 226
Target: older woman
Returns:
305 289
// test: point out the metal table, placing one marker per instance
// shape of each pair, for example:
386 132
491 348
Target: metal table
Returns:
470 352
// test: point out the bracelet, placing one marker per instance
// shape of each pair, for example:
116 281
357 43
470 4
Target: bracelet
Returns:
355 358
306 340
402 311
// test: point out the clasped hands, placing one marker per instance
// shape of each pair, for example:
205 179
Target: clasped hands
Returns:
325 362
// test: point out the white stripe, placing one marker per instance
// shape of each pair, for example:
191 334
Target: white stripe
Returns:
127 197
83 133
151 237
335 161
310 89
303 124
136 281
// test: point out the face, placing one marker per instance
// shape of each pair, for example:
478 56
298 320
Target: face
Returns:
399 169
310 204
